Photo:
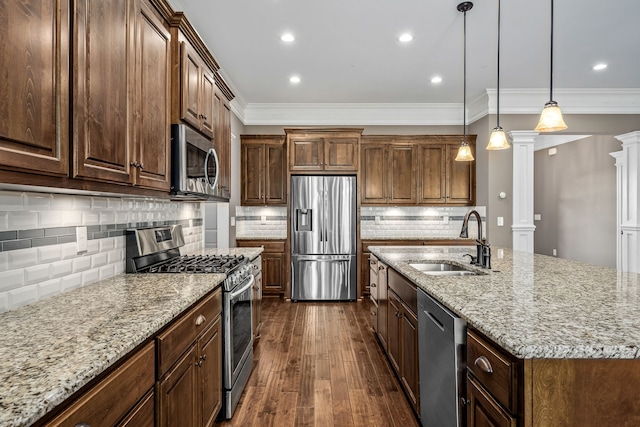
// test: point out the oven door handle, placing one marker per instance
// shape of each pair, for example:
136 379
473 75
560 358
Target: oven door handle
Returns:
234 294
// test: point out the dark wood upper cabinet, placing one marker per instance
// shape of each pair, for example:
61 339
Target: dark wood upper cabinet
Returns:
388 174
197 87
102 83
328 150
121 93
153 103
420 169
263 165
34 106
222 139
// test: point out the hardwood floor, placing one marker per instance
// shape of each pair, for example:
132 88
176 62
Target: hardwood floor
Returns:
319 364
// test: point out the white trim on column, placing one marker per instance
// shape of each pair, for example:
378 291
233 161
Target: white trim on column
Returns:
630 204
523 227
619 156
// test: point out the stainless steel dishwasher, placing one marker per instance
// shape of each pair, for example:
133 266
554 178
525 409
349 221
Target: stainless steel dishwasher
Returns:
442 350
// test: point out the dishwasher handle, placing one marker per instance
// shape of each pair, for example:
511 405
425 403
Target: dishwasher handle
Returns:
435 320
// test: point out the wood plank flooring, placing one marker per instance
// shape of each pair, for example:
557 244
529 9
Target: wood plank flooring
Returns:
319 364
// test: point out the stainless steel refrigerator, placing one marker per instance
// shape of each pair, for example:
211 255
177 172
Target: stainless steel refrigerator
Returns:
323 238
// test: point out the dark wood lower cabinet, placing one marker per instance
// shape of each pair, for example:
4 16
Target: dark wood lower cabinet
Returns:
483 410
179 393
402 346
210 372
273 264
143 415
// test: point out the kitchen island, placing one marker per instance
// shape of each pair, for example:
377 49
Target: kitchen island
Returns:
570 331
50 350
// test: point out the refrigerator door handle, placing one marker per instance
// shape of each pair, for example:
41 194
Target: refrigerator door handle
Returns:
315 258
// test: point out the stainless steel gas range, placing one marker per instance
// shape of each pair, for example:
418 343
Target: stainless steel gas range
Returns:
157 250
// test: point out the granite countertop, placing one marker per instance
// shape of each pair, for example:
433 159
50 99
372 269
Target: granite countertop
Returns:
263 238
535 306
423 239
51 348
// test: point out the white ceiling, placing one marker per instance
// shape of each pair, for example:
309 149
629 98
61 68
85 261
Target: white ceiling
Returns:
346 50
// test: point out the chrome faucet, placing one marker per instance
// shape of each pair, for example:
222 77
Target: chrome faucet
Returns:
483 250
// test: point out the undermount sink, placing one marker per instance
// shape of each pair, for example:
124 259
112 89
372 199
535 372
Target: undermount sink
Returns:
442 269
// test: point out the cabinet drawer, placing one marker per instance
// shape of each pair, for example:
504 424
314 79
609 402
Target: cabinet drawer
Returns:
495 371
407 291
182 332
276 246
112 398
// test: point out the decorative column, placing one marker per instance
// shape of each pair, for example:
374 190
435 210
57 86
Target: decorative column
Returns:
630 206
523 227
618 155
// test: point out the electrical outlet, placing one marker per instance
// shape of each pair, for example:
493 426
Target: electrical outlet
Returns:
537 217
81 239
232 221
555 252
500 221
377 219
263 219
553 151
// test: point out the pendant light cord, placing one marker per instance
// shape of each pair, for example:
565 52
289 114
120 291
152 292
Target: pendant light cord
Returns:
464 84
498 72
551 59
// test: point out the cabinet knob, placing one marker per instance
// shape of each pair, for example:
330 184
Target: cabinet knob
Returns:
134 164
200 320
83 425
373 285
464 401
141 165
483 364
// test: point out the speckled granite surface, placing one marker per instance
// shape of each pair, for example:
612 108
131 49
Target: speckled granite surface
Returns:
50 349
535 306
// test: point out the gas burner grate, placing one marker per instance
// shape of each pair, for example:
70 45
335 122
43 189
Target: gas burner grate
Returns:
199 264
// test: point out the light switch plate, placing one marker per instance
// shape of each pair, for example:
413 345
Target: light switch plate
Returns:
537 217
500 221
81 239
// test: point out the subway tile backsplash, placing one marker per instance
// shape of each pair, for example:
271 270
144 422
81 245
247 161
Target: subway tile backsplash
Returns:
37 239
261 222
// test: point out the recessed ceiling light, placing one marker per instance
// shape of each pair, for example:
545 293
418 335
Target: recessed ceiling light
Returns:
405 38
288 37
436 79
294 79
600 66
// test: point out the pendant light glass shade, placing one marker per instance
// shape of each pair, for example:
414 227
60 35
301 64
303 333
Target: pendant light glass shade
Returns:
551 118
464 152
497 139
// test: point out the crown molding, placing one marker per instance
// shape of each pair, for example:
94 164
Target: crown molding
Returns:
512 101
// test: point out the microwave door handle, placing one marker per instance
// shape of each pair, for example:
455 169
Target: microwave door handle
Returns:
212 152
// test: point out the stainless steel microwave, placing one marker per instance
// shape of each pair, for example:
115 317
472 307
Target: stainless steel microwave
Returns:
194 165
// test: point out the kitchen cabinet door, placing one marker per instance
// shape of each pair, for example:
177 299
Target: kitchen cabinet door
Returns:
34 123
179 393
401 180
460 178
196 90
409 374
256 306
253 174
153 103
341 154
373 173
206 102
104 66
210 372
306 154
432 174
483 410
394 328
383 302
273 273
222 140
264 175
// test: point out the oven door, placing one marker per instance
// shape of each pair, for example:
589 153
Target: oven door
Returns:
238 336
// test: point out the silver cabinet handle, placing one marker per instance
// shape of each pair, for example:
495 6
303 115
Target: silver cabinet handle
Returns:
83 425
200 320
484 364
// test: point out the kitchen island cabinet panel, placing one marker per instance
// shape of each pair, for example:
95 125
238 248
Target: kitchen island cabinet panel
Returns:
178 400
483 411
34 130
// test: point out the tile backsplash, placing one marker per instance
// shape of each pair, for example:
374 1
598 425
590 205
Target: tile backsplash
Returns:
419 222
261 222
38 255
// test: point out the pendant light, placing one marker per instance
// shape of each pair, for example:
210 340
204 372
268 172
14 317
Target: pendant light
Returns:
498 140
464 152
551 117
